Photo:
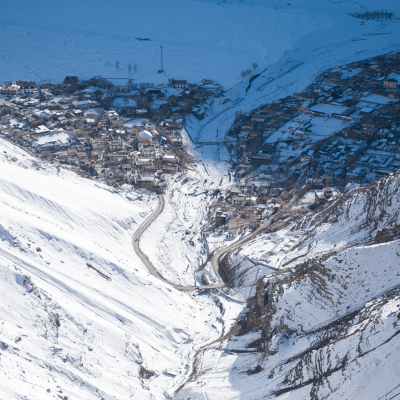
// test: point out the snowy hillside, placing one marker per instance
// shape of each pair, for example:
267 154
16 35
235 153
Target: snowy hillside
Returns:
80 315
282 46
341 40
202 39
353 219
324 326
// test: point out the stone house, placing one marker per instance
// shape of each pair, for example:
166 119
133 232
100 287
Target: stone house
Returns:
179 83
144 136
390 84
70 80
113 118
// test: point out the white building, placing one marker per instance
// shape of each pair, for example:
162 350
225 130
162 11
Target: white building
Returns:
113 117
10 88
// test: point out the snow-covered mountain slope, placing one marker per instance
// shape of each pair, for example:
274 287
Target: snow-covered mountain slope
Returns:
175 242
202 39
353 219
80 316
325 326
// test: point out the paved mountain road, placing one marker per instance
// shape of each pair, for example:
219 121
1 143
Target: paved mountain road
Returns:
136 246
214 261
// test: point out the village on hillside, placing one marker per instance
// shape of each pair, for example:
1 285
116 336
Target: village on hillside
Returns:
302 151
299 152
343 128
116 134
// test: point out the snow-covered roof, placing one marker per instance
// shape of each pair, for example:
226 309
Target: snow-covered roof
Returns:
377 99
367 109
144 134
112 113
81 103
42 129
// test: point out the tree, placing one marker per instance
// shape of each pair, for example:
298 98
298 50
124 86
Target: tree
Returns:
117 65
135 67
130 68
255 65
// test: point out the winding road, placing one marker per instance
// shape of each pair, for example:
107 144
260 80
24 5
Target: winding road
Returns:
214 261
136 246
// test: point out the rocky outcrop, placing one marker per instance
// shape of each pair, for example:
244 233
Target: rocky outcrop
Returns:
387 235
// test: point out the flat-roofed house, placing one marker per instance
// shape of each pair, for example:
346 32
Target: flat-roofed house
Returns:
325 195
144 136
239 200
179 83
113 118
170 158
390 83
83 105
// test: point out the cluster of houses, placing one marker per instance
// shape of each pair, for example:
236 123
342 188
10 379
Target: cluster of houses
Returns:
343 128
246 206
121 134
239 209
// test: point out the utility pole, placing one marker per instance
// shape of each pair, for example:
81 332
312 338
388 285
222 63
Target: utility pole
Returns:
161 61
